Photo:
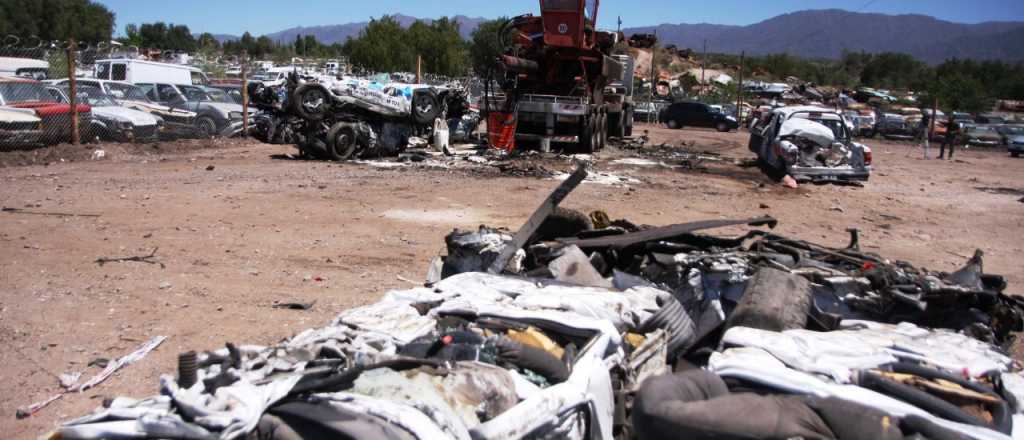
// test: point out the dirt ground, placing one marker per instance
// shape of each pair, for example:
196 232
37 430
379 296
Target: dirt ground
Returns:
237 226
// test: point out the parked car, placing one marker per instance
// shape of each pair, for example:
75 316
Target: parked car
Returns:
212 117
56 117
809 144
895 126
990 119
1013 138
233 92
983 136
140 71
110 121
20 128
134 97
696 114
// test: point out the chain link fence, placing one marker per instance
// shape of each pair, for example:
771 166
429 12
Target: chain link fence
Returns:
55 92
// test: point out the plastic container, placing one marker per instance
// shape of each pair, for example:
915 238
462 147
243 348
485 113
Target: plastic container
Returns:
501 130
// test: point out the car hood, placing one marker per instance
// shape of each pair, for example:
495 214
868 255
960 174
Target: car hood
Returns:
984 136
122 114
17 115
222 107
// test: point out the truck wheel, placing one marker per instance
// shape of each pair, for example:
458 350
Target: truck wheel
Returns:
341 141
311 101
586 141
603 129
425 108
615 125
722 127
628 130
207 126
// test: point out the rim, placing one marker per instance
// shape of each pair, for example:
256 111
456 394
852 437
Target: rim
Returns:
313 100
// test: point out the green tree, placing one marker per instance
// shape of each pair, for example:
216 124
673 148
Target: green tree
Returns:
485 45
82 20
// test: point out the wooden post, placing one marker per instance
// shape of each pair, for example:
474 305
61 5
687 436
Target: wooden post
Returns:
739 91
245 94
73 92
419 69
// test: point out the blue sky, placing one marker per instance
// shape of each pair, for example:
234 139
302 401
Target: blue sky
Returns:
265 16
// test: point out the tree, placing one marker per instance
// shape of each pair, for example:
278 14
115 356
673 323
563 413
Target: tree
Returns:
385 46
207 42
82 20
485 45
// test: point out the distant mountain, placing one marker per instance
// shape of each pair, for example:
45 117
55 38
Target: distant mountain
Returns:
827 33
338 33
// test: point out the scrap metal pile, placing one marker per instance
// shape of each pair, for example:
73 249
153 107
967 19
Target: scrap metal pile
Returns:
552 331
342 118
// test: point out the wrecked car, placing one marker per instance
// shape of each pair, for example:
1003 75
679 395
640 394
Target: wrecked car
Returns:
355 117
177 120
895 126
56 117
19 128
809 144
110 121
213 117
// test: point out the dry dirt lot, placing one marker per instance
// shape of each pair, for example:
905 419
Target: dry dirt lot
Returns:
237 227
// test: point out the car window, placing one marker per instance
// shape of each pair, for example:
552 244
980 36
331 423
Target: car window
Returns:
127 91
193 93
56 95
166 92
119 72
94 97
21 92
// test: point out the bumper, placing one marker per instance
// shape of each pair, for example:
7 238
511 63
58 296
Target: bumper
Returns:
20 138
825 174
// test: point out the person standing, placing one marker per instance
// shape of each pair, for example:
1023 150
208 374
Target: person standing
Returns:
925 132
952 131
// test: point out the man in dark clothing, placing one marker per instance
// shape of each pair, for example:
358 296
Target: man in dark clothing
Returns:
952 131
697 404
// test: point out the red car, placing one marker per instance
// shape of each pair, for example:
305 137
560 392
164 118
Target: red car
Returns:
56 117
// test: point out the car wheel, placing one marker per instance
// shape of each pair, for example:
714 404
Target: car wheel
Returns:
311 101
425 107
341 141
722 127
206 126
1015 154
674 124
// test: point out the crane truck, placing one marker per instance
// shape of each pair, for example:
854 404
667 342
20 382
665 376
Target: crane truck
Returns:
560 81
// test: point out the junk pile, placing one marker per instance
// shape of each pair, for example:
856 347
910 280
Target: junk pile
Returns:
359 118
583 327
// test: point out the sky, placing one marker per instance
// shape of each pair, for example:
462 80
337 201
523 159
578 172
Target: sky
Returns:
267 16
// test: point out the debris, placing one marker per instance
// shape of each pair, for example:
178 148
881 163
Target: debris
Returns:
55 214
98 154
165 285
764 206
148 259
294 305
837 208
69 380
210 168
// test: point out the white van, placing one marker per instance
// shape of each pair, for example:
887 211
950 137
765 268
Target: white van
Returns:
24 67
139 71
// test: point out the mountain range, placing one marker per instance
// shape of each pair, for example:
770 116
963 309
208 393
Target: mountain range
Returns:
823 34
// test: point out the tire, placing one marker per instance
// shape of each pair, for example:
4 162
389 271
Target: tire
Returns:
603 129
722 127
425 107
341 141
206 126
311 101
673 124
615 125
1014 154
628 129
586 138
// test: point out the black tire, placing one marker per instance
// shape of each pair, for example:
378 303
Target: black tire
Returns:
586 138
206 126
341 141
311 101
722 127
603 129
1014 154
628 128
425 107
615 125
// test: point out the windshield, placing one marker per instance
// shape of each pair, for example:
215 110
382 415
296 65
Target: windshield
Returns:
127 92
193 93
837 126
94 97
217 95
19 92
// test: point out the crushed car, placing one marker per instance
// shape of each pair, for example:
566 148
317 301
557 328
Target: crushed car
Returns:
357 117
809 144
579 326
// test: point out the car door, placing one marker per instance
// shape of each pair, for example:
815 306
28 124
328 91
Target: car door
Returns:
703 116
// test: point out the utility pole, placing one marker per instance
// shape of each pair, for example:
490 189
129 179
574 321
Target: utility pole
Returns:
739 91
703 61
654 53
73 92
245 94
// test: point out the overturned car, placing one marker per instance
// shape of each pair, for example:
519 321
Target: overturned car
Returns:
809 144
351 117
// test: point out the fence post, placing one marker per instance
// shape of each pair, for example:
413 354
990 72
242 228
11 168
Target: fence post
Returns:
73 92
245 94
